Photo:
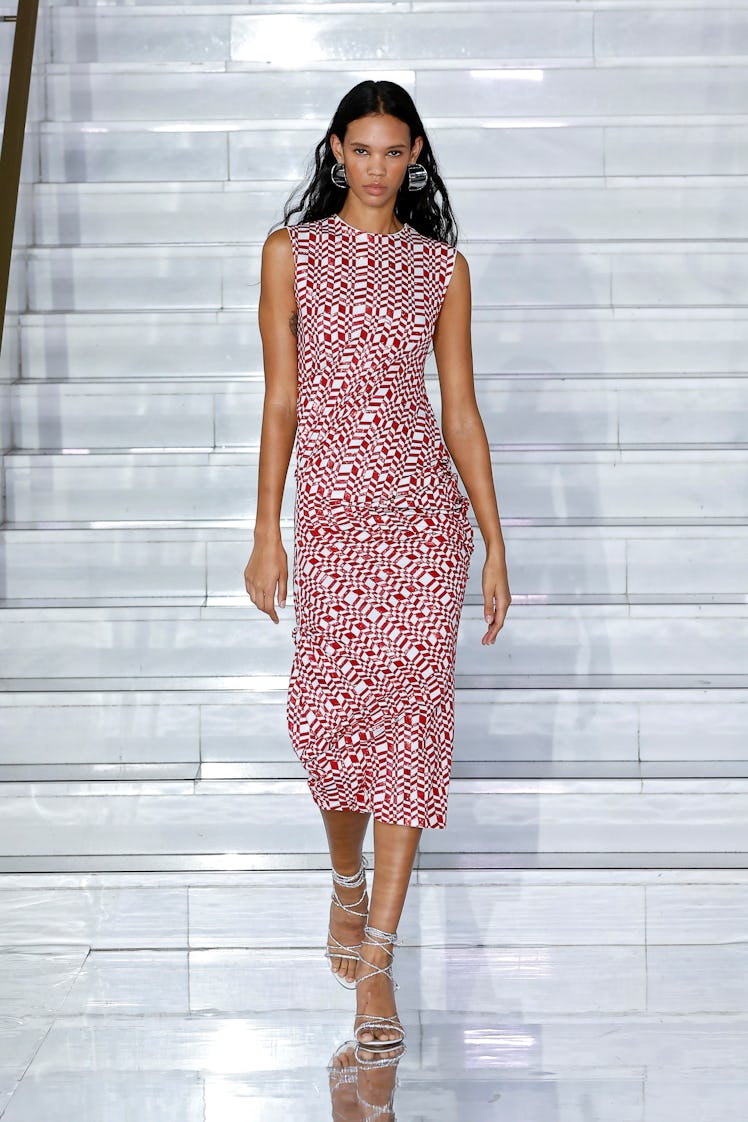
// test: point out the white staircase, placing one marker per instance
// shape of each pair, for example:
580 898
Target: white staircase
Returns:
597 161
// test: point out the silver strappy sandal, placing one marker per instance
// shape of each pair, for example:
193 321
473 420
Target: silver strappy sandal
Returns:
348 1073
350 953
338 1076
391 1050
372 1110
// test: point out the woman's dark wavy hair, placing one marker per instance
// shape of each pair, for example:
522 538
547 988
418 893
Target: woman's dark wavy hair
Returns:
427 211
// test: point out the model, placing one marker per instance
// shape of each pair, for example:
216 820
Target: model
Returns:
352 298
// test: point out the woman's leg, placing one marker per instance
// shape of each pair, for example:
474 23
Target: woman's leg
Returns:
394 852
346 830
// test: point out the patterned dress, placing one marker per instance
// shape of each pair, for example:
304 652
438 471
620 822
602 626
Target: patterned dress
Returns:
382 540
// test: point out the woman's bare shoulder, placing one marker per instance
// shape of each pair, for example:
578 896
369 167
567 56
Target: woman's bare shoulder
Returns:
278 245
460 278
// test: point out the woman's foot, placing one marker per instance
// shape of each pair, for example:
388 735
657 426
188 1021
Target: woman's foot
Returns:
375 995
377 1082
344 1084
348 913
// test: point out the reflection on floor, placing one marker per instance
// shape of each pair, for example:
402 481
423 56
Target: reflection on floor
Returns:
527 995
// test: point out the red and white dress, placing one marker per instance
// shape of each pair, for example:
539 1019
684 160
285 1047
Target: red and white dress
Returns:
382 538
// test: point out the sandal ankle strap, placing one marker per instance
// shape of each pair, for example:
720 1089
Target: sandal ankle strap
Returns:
381 937
354 881
350 908
374 937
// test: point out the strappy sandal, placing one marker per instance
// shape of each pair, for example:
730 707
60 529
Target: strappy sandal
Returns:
348 1073
340 950
390 1050
338 1076
381 1111
372 1110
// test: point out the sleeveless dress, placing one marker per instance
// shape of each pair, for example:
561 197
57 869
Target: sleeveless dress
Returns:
382 540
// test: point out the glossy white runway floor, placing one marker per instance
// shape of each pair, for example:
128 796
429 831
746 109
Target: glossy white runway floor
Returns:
541 996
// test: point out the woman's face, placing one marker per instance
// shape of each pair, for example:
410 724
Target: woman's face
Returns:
376 152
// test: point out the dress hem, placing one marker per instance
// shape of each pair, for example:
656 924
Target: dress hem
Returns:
388 819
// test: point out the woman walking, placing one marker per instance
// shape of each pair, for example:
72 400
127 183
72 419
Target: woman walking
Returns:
352 298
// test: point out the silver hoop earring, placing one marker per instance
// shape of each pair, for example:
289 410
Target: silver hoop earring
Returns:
418 177
338 176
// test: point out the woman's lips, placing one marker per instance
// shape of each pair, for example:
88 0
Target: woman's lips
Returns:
372 189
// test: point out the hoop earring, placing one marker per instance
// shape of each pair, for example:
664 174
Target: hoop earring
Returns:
338 176
418 177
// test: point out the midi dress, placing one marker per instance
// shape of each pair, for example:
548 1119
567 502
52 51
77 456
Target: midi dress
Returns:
382 539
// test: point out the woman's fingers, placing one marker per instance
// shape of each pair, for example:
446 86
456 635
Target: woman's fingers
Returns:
266 571
263 597
267 605
495 608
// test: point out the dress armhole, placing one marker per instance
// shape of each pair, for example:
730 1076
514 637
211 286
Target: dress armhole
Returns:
292 238
450 268
451 262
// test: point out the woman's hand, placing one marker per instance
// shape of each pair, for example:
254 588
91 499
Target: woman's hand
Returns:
266 570
496 596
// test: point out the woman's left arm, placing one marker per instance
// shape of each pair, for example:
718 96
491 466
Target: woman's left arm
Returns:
465 437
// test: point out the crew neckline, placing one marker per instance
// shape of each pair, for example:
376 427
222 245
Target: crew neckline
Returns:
369 233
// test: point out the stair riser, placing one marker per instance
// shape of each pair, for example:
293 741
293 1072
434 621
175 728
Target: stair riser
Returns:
533 726
570 92
509 910
666 486
541 563
289 824
510 36
135 152
227 212
252 645
81 281
132 347
546 412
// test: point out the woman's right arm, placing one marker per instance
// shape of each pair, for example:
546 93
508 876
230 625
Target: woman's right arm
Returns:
267 568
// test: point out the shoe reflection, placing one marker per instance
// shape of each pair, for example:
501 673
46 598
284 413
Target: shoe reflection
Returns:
363 1083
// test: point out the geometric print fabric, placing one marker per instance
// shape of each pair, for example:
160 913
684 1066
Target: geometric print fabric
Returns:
382 540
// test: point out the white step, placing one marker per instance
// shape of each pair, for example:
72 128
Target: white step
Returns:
270 39
128 150
510 37
605 563
240 643
632 92
173 487
183 345
259 825
53 731
509 909
567 210
598 95
213 278
516 410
